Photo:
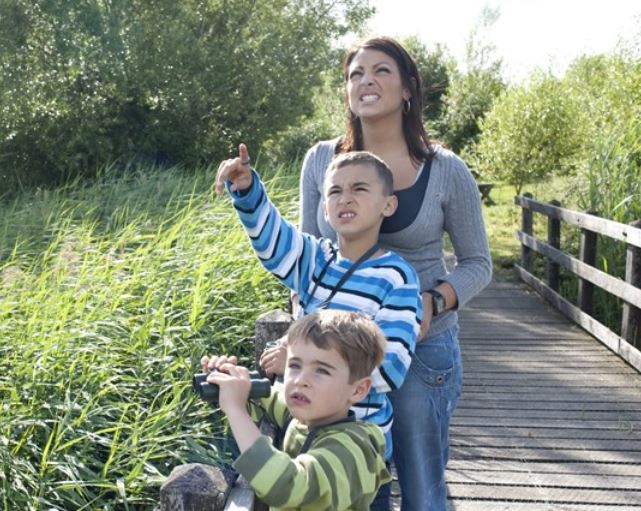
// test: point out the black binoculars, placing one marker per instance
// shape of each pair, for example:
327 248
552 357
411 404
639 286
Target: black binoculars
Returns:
260 387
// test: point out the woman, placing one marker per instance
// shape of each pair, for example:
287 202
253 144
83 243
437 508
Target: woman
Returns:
437 194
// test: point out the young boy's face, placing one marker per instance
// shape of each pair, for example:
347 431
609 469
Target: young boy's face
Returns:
317 387
355 201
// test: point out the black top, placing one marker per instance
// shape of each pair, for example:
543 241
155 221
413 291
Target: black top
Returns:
409 202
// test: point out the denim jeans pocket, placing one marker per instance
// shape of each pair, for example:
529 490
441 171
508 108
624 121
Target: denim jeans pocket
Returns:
434 361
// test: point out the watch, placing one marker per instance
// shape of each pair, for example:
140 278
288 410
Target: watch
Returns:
438 302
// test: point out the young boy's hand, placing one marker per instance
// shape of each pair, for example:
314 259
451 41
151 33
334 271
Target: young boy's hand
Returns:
273 360
213 363
234 386
237 170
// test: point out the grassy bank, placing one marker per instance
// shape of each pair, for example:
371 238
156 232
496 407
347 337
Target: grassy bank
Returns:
110 295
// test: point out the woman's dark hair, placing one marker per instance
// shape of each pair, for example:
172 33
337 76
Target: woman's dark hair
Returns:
419 145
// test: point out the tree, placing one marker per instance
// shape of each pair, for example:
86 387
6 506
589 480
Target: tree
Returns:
472 92
434 67
85 82
531 132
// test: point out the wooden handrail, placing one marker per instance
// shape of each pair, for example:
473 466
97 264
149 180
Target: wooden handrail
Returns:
629 290
629 234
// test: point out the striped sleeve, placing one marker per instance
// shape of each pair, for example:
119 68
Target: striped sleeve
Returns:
281 248
399 317
341 471
272 408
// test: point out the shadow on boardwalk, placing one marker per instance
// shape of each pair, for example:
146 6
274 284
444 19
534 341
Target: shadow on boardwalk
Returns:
549 420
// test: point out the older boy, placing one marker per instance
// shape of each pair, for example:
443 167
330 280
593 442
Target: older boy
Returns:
357 275
330 461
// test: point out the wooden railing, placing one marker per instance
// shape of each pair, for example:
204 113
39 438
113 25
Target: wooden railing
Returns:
200 487
628 343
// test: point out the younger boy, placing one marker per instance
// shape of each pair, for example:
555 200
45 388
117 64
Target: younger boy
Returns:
356 275
330 461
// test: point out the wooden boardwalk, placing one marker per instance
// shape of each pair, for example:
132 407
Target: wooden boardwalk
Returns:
549 420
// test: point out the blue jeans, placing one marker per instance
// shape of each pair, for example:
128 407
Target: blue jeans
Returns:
382 500
423 407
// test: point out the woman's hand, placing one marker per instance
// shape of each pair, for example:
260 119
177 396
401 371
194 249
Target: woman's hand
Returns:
273 360
237 170
427 315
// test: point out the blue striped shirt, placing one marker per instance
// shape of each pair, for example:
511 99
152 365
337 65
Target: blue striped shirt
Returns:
386 288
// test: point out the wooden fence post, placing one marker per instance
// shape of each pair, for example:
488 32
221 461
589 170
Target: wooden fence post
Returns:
526 227
631 320
269 327
587 254
554 240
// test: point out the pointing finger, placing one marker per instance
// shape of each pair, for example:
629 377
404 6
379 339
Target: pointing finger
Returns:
243 154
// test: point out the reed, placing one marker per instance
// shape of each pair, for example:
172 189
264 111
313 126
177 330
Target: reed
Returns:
109 296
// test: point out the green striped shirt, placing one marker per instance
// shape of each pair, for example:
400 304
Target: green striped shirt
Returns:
341 469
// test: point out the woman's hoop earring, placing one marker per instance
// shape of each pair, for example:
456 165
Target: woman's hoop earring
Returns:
406 106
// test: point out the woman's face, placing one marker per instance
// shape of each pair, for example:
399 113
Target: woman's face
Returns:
374 86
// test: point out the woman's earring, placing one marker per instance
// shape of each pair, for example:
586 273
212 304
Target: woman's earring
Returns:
406 106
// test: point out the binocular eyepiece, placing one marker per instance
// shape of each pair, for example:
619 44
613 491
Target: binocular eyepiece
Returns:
260 387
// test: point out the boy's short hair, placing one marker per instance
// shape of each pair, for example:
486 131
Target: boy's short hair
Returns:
365 158
356 337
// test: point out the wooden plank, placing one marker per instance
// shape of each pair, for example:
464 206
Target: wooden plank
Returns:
495 304
546 495
455 504
547 455
240 499
561 467
612 285
602 406
618 345
520 331
586 415
610 228
614 424
543 432
523 478
560 380
527 442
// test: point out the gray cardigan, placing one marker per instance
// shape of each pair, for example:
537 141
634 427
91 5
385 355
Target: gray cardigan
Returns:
451 204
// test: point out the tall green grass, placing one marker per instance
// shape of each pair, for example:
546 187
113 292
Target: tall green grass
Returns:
109 296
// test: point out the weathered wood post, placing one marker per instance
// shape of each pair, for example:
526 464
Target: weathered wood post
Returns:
554 240
631 320
526 227
269 327
200 487
587 254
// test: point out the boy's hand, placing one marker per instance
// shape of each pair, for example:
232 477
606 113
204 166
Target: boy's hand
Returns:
236 170
234 387
213 363
273 360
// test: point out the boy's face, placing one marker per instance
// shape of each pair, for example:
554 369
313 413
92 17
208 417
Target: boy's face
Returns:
317 388
355 202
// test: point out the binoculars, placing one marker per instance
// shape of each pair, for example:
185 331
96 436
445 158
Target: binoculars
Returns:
260 387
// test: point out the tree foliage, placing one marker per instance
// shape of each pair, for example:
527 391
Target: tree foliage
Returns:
84 82
434 66
472 91
532 131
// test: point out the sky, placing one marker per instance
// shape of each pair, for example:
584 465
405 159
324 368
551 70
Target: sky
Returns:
529 34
